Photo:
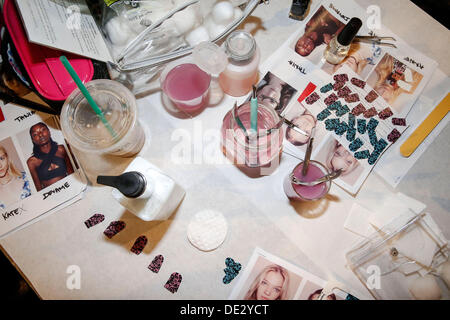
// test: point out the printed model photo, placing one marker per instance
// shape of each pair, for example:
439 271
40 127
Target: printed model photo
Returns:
274 92
267 278
394 81
14 182
319 31
47 159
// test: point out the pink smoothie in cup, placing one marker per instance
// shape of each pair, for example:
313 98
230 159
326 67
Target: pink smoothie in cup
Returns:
300 192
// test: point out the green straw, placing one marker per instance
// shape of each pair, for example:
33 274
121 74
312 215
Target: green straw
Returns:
254 111
86 94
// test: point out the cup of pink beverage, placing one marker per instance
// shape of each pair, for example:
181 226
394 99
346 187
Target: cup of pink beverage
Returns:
246 147
186 85
315 171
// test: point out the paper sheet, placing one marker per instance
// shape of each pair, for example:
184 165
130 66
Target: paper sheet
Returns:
26 196
63 24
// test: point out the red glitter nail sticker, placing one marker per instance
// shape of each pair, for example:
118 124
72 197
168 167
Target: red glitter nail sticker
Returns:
156 263
352 98
394 135
386 113
174 282
399 121
95 219
358 82
338 85
139 245
370 113
114 228
356 111
340 77
312 98
332 98
343 92
372 95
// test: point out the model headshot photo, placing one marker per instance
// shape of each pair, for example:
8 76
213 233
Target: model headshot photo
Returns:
274 92
49 161
14 183
319 30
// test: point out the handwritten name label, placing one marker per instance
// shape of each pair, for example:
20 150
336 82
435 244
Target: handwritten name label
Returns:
338 12
410 60
24 116
296 66
11 213
47 194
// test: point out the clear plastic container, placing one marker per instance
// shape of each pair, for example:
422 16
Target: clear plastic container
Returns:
84 130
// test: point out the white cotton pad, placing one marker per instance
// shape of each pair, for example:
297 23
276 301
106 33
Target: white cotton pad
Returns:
207 230
425 288
223 12
197 35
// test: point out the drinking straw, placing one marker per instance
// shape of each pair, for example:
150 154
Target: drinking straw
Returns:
254 111
86 94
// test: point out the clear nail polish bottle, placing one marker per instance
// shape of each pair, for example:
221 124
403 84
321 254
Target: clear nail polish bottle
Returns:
339 45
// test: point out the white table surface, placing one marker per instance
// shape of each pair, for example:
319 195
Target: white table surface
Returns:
257 211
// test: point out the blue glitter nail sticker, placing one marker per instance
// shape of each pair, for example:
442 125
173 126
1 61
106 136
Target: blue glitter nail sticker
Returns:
355 145
326 88
361 126
362 154
331 124
323 114
342 110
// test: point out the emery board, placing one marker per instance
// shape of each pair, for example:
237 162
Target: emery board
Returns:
424 129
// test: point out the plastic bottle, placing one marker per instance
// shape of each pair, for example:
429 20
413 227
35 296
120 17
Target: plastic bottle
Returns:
242 70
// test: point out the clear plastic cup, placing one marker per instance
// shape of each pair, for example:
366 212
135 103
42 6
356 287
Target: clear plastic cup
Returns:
84 130
186 85
306 193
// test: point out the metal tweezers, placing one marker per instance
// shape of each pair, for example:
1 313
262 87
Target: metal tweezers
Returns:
377 40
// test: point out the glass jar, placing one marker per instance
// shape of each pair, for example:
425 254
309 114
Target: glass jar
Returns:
244 146
315 171
242 70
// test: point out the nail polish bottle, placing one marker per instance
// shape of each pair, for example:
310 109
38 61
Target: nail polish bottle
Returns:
298 9
338 48
145 190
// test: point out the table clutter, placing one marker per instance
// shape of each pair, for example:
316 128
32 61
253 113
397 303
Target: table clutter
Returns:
176 148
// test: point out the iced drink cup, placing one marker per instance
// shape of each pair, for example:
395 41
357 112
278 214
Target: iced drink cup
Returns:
315 171
84 130
252 149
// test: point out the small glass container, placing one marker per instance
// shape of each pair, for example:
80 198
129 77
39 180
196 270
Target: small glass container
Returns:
249 148
242 70
315 171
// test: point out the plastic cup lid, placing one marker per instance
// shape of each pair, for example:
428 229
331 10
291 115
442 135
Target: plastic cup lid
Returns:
210 57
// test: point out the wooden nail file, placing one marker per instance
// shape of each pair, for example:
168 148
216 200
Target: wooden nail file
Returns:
422 131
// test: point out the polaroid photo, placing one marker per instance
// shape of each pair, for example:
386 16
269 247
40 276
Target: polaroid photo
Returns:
272 91
268 277
38 171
